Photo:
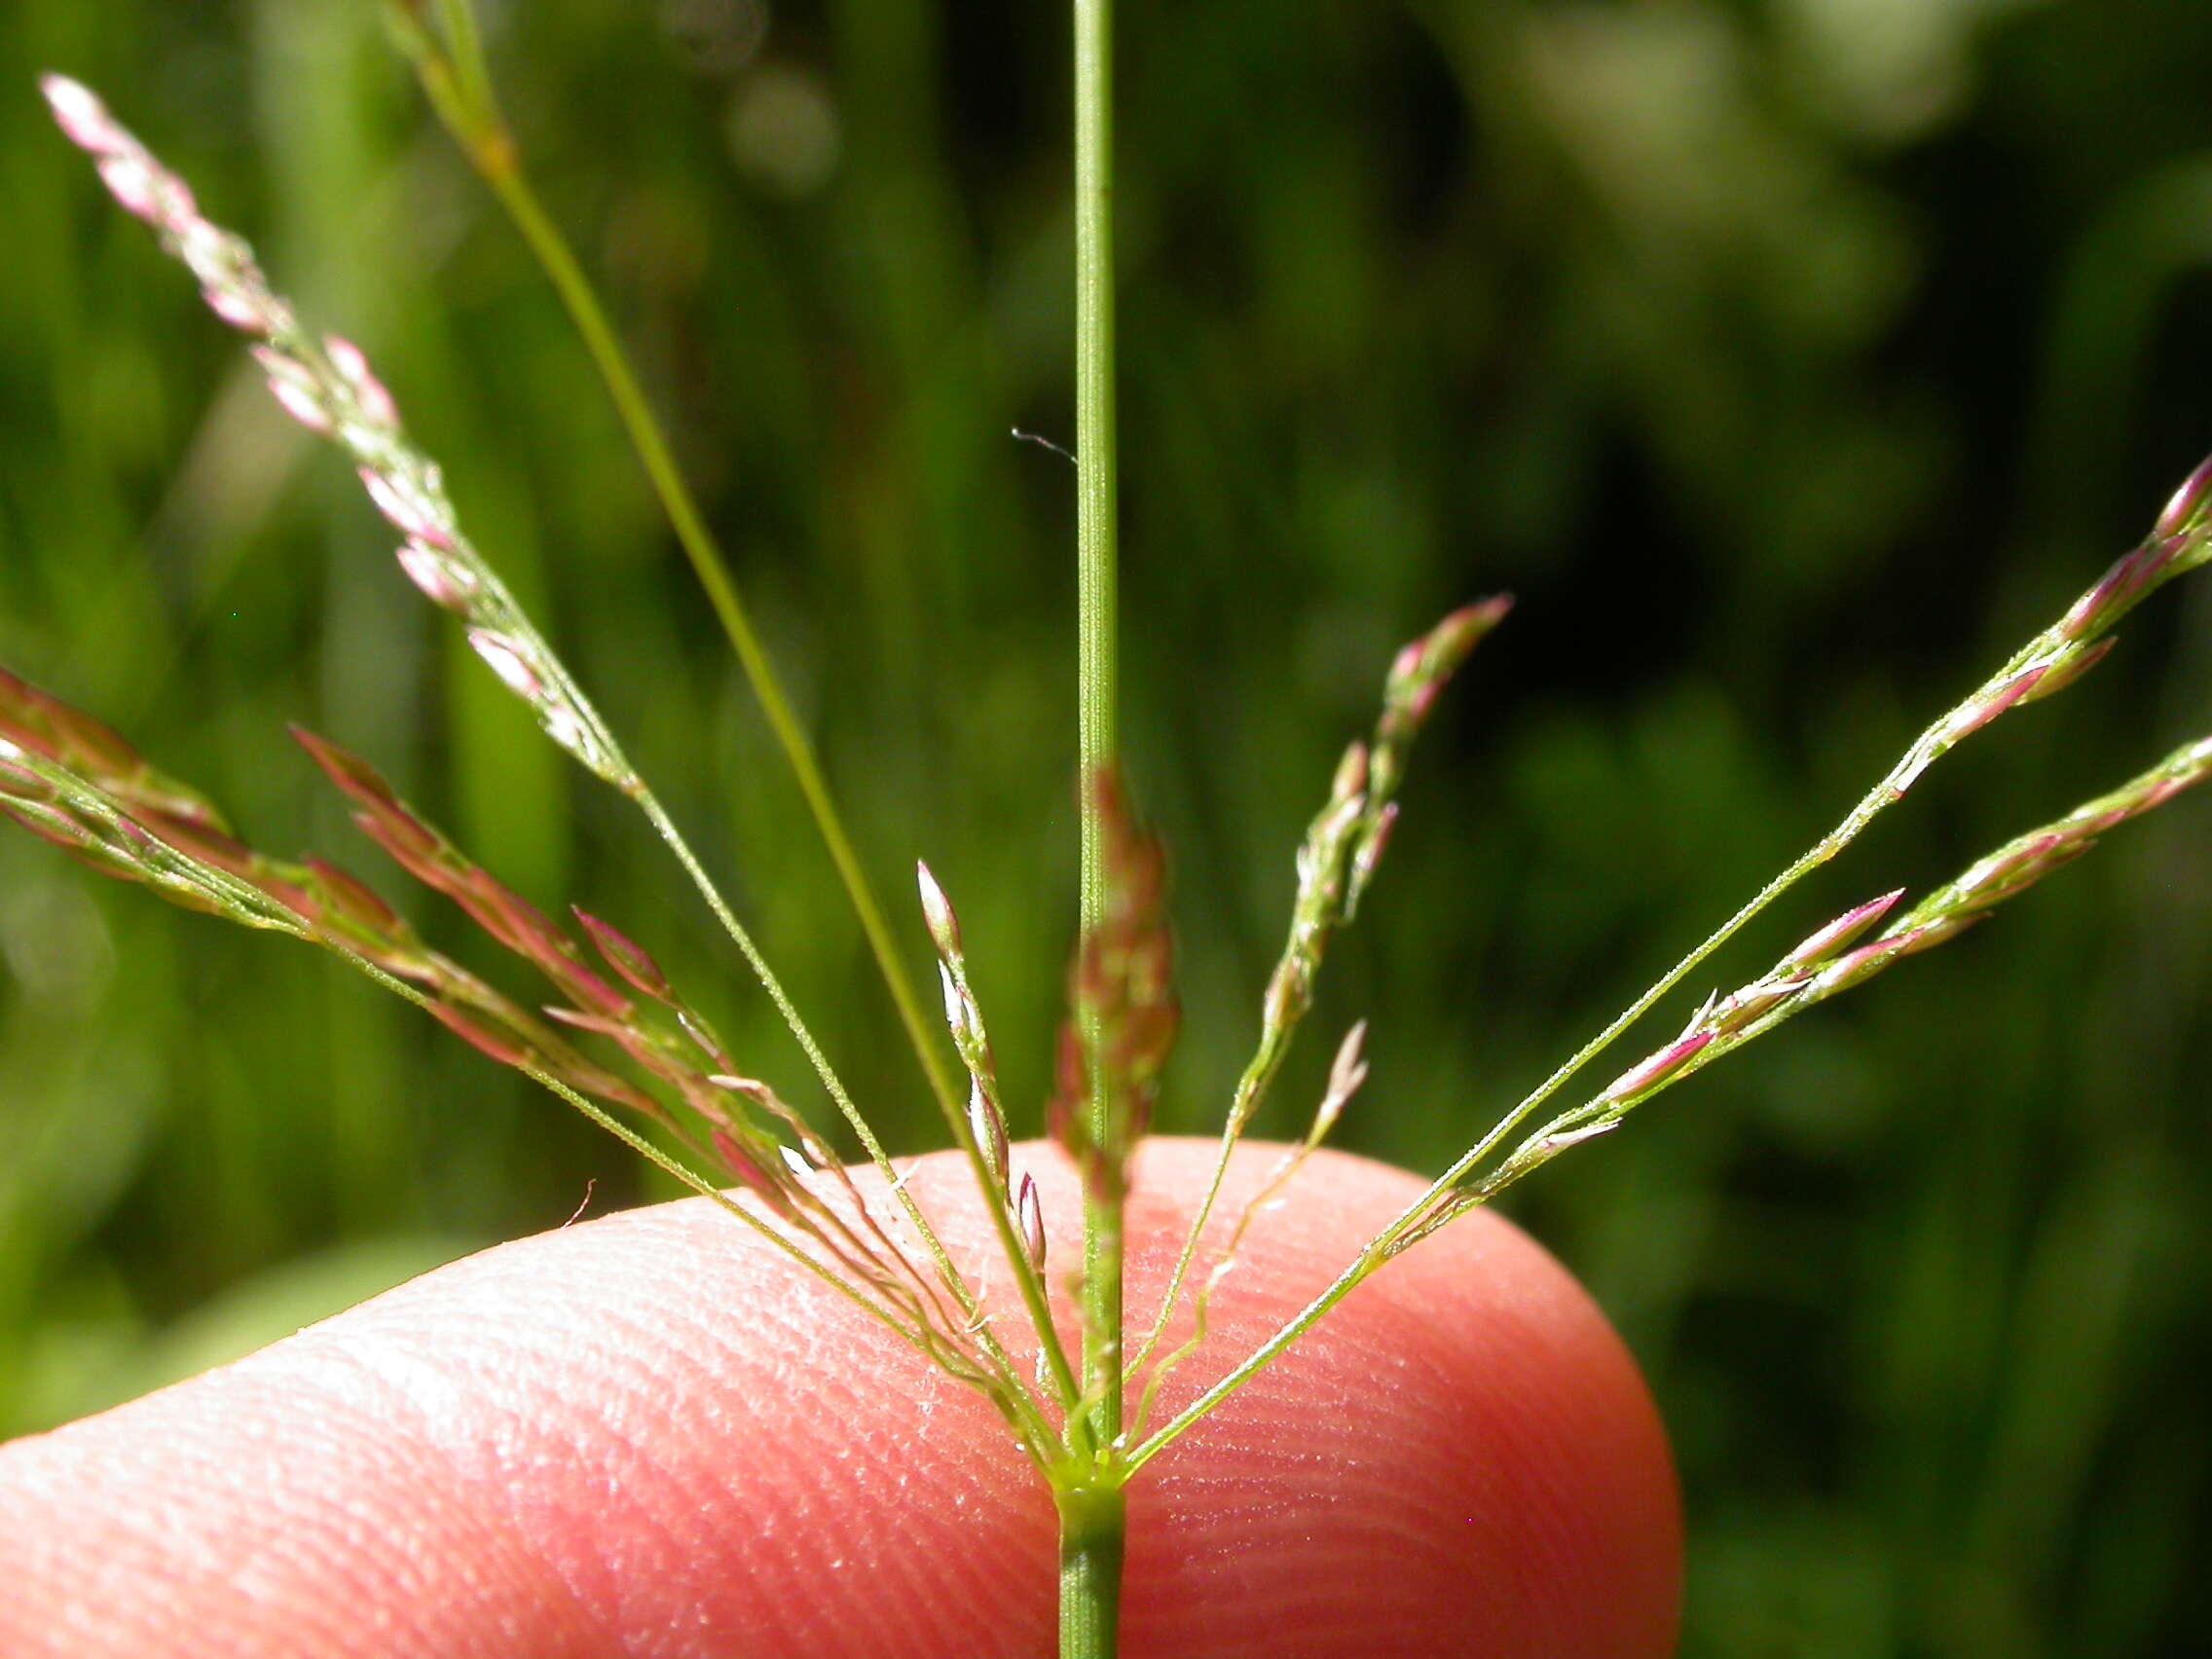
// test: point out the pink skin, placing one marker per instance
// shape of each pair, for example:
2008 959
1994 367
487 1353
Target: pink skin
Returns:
647 1436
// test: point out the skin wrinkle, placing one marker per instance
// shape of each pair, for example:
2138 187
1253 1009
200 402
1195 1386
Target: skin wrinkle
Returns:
401 1379
275 1556
809 1508
181 1474
657 1539
599 1443
1545 1457
398 1370
652 1496
1371 1511
593 1575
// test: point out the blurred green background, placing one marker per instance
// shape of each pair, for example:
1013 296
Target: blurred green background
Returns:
1791 359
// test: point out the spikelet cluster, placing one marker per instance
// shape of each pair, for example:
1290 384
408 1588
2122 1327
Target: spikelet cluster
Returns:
686 1083
328 387
70 780
986 1122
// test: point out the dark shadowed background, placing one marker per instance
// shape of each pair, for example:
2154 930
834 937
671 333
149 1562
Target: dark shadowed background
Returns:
1791 359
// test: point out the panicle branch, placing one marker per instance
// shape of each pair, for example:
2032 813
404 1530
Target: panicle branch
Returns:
1832 961
1335 863
981 1135
2179 543
328 386
75 783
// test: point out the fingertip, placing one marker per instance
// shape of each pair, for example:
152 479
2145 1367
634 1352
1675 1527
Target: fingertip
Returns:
649 1433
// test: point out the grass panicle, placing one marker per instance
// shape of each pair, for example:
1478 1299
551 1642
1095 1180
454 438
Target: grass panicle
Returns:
618 1038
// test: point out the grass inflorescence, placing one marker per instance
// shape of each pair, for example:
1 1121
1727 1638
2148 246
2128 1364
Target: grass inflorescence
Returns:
620 1040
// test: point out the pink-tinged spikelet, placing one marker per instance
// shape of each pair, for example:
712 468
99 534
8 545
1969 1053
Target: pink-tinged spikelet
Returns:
1839 932
1659 1067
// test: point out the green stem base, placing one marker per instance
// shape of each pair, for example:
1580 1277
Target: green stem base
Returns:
1093 1525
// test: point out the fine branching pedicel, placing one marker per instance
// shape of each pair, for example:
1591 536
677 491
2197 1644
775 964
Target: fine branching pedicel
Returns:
624 1046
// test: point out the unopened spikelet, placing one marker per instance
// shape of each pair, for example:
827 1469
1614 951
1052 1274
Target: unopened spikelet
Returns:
1347 1073
1029 1214
1826 942
626 958
1650 1073
988 1127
